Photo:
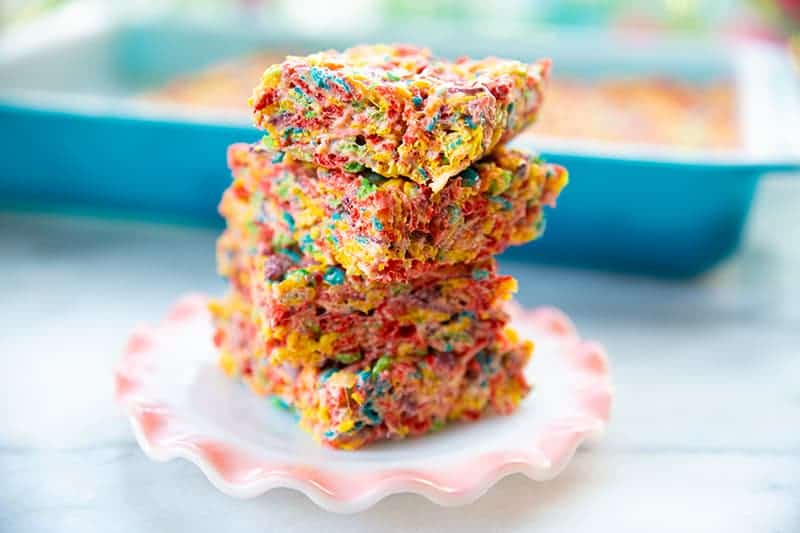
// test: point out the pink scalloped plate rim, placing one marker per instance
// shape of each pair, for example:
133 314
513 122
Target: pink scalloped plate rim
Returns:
165 430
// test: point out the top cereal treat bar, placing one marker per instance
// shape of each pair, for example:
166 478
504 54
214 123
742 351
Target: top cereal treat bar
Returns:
396 110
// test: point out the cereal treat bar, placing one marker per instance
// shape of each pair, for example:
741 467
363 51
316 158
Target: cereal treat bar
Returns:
395 229
396 110
346 406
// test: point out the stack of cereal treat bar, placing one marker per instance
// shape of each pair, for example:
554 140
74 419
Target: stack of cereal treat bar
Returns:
360 240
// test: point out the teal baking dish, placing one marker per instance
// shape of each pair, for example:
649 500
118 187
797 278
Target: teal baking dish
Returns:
72 136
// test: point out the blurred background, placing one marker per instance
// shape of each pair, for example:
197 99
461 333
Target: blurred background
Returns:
649 102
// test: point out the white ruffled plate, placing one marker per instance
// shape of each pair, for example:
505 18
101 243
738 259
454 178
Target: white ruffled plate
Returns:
181 405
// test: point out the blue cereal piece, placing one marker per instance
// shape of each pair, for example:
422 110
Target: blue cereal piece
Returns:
432 123
320 78
307 243
289 219
369 411
505 204
469 177
334 276
480 274
281 404
341 83
541 225
325 376
291 254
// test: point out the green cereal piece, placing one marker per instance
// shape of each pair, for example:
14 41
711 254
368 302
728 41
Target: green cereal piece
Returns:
455 213
283 189
353 167
281 240
375 178
506 177
281 404
301 274
348 358
365 189
268 141
384 363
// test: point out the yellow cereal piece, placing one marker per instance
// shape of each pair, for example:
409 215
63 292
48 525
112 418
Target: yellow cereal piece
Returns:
345 425
507 289
342 379
405 349
218 309
419 315
228 364
511 334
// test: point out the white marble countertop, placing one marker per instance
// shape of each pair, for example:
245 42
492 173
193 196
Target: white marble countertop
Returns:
705 433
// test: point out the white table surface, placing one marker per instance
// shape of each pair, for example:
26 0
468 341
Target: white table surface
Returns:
705 431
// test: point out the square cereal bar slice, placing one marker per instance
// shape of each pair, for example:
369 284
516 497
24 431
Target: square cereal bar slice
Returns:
391 229
349 405
396 110
312 313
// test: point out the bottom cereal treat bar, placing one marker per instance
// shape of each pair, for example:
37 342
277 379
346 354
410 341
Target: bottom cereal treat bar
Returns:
347 406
